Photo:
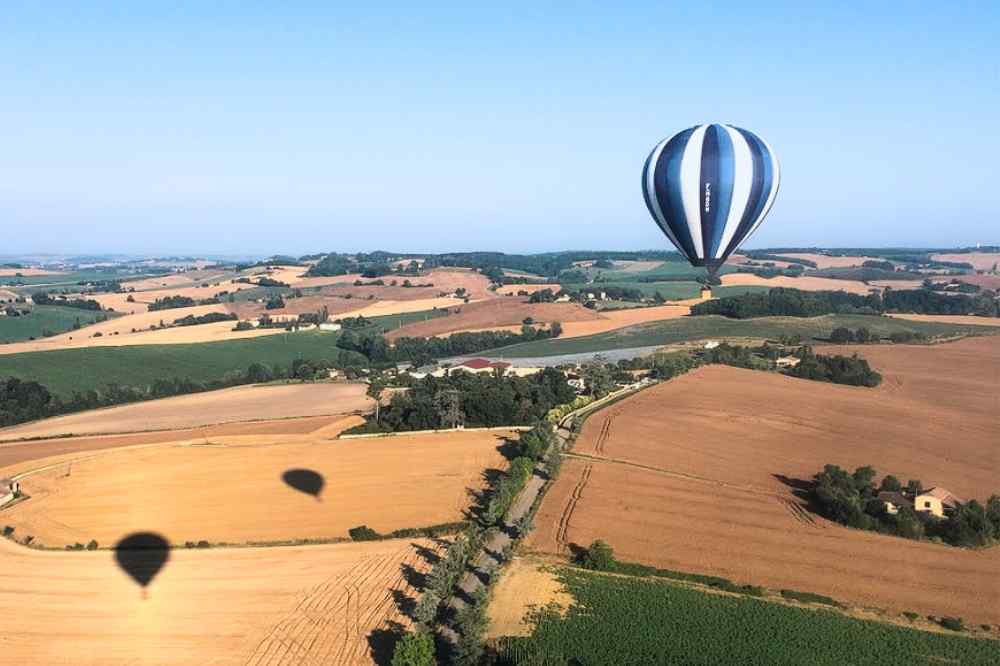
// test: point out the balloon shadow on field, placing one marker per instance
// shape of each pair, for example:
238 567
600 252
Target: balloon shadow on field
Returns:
142 555
305 481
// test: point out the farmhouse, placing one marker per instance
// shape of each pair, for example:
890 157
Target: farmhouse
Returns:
9 489
893 501
937 501
482 365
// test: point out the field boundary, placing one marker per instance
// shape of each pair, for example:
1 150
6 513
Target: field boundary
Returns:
400 433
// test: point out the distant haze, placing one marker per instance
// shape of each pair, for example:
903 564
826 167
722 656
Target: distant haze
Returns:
255 130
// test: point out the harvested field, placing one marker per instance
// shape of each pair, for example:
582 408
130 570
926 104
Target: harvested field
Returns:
241 403
804 283
524 587
614 319
117 332
825 261
984 281
513 289
982 261
320 427
230 489
951 319
120 302
494 313
258 606
27 272
710 460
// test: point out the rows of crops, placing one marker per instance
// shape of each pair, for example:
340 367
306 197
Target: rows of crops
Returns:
617 620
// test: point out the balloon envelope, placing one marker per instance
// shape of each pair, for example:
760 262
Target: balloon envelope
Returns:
708 188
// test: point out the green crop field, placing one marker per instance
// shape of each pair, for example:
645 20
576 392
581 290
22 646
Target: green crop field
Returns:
721 291
51 319
671 291
38 282
668 270
66 370
616 620
712 326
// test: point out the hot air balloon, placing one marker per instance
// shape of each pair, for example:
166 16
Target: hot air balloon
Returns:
708 188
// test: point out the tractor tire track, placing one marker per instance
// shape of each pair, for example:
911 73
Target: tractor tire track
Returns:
567 514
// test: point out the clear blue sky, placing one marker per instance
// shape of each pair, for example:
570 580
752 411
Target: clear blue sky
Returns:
294 127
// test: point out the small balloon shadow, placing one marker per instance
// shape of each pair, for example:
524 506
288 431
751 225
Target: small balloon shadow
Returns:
305 481
142 555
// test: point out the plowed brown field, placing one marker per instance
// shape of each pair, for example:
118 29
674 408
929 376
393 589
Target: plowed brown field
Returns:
709 461
230 489
257 606
982 261
242 403
824 261
495 312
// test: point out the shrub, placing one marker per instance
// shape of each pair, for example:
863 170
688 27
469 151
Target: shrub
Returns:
810 598
910 615
414 650
363 533
204 544
92 545
189 544
599 556
952 623
8 530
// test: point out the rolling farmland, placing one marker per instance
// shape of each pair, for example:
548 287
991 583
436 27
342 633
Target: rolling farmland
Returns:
812 329
711 460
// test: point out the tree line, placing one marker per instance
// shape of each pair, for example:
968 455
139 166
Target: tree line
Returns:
852 500
787 302
472 400
44 298
171 302
423 351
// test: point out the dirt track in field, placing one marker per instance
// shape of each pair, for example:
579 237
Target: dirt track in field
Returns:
710 461
230 488
241 403
307 605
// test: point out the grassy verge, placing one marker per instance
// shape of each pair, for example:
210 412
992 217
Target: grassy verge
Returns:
811 329
644 621
64 371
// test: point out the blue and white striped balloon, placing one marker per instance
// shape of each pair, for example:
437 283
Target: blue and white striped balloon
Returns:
708 188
